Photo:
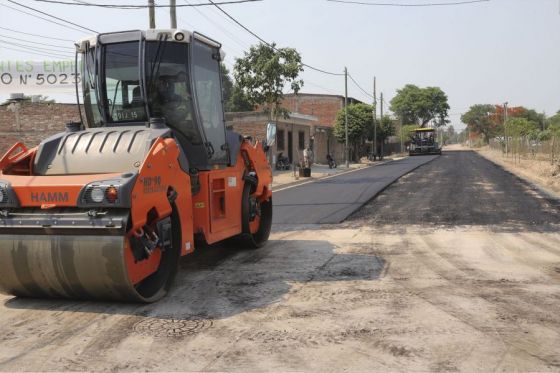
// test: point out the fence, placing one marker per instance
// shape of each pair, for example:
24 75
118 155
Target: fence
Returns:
518 148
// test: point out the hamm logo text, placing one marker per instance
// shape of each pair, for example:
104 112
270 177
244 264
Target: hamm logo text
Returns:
49 197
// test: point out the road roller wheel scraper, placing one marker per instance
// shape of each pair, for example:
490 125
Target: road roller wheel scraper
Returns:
106 209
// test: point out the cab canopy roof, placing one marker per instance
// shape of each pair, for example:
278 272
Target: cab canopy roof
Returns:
424 130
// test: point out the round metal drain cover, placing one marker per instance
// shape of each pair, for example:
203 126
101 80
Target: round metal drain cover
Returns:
171 327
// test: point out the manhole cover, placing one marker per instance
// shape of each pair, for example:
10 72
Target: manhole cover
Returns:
171 327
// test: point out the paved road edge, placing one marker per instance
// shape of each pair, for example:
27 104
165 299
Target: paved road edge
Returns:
391 183
544 191
303 182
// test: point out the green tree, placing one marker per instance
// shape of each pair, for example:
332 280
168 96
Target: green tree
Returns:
227 84
519 131
360 121
406 132
531 115
263 73
521 127
481 119
413 104
386 128
238 101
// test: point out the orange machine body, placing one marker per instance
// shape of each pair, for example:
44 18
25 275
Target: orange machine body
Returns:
214 213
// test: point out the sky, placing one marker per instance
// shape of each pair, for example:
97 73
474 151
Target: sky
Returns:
489 52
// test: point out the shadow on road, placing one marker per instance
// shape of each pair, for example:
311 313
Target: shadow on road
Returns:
219 281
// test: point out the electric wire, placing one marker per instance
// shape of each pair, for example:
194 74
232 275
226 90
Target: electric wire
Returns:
452 3
38 48
43 18
307 82
228 21
38 36
131 6
63 49
50 15
357 85
225 31
32 52
264 41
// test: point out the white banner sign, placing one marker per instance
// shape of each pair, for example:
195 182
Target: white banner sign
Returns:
37 77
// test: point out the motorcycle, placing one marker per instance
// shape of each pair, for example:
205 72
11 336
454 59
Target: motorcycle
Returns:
331 161
282 163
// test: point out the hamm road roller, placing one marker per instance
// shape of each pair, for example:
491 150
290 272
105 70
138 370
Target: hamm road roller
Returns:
106 209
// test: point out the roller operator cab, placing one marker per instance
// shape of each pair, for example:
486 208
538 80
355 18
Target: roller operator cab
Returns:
106 209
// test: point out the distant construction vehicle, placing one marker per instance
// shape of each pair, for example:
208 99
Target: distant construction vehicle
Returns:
423 142
106 209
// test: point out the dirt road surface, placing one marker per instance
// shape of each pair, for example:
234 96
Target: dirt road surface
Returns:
456 267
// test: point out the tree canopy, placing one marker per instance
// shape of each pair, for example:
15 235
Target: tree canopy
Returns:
227 83
385 128
360 128
481 118
413 104
263 72
359 121
235 100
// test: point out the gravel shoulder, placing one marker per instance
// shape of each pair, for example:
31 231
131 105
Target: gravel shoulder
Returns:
468 285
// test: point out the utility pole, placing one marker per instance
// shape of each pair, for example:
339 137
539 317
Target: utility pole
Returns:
152 13
173 13
401 133
346 154
374 145
381 121
505 126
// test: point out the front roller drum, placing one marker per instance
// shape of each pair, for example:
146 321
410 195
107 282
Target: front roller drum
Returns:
82 267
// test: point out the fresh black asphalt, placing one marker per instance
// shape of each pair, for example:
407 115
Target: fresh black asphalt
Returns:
331 200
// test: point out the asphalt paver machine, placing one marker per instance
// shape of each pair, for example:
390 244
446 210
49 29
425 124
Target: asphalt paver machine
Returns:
422 142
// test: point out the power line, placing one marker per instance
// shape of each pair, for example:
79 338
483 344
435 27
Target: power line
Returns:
38 36
361 89
307 82
60 53
225 31
50 15
264 41
33 52
453 3
131 6
44 19
34 42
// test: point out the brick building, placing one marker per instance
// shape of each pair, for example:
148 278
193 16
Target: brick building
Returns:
31 122
324 108
292 136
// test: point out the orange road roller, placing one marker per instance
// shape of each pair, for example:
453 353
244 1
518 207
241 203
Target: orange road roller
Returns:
106 209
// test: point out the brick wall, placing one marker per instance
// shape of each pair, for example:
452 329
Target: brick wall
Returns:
324 107
31 122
